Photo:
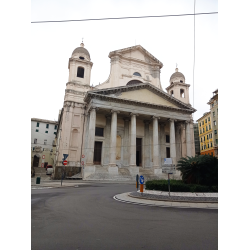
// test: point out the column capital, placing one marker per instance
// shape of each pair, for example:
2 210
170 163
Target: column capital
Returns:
131 114
146 121
114 111
155 117
172 120
93 107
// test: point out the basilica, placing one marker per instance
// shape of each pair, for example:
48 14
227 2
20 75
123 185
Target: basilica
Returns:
126 125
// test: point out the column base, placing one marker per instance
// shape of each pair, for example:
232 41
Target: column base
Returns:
113 170
157 171
133 170
88 170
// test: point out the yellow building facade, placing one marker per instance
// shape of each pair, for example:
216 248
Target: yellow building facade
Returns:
206 134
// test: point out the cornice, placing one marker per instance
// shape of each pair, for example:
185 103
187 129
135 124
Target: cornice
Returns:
89 96
78 84
177 84
73 104
71 91
43 120
81 61
148 86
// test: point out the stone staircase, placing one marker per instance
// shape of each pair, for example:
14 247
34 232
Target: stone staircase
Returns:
102 173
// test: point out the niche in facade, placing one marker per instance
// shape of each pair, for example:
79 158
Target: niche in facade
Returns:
74 138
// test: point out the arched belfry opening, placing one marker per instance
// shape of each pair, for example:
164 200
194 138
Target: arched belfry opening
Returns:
182 93
132 82
172 93
80 72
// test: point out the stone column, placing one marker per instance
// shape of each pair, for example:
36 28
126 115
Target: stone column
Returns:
112 150
132 160
90 168
146 144
172 141
107 140
162 143
188 139
126 143
157 168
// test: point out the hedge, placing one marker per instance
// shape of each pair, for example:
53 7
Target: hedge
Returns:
179 186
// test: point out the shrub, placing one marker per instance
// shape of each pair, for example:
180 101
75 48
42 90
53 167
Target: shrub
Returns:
201 169
178 186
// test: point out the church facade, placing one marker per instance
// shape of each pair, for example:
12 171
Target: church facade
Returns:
126 125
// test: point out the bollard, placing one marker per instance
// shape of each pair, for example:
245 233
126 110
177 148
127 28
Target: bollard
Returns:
141 188
137 180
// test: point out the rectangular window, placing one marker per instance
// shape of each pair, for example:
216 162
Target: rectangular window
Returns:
206 128
207 137
209 126
35 141
216 141
37 124
200 131
55 127
46 132
207 145
209 119
211 144
98 131
203 130
212 104
34 149
47 125
202 122
214 123
167 139
54 133
206 121
215 132
204 138
214 114
211 135
37 130
202 148
45 142
201 139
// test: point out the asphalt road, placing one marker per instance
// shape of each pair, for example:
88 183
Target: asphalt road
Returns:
88 217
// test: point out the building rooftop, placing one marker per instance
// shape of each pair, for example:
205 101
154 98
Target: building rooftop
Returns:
43 120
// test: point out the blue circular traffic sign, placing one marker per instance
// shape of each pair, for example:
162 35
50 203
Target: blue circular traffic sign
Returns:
141 179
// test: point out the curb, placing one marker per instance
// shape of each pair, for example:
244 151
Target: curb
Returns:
158 205
158 199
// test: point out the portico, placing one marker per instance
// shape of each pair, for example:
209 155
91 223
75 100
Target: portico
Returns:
131 120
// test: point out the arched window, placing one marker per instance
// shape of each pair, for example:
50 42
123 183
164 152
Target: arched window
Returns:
137 74
172 93
182 94
80 72
82 58
181 81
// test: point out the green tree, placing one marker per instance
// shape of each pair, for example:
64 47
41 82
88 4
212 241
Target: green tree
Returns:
201 169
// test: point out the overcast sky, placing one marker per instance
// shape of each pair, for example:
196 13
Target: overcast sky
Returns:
169 39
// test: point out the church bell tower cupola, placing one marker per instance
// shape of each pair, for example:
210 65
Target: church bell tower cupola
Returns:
80 66
178 88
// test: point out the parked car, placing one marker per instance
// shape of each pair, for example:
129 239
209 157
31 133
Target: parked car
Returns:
49 169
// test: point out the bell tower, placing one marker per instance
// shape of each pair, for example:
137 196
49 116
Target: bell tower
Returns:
80 66
178 88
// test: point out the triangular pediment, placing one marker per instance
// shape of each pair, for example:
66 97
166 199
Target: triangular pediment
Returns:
137 52
144 93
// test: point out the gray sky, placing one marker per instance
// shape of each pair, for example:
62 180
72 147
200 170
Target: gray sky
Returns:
169 39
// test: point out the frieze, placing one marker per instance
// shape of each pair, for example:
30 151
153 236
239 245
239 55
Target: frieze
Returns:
72 104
